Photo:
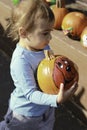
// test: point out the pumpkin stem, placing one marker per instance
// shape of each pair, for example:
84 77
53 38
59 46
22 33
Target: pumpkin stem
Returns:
60 3
49 54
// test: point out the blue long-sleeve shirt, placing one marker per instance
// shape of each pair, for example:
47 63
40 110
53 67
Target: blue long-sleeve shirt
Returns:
26 99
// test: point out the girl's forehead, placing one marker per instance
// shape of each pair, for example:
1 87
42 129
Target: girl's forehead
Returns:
44 25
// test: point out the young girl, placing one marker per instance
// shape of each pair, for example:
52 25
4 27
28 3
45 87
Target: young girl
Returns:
29 108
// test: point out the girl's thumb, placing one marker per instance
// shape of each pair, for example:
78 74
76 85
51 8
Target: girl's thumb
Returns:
61 87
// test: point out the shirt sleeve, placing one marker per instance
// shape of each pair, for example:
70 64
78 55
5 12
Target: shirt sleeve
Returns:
23 77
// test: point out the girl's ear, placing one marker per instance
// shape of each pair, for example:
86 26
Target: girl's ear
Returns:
22 32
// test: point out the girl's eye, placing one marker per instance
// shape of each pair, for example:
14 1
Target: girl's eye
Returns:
46 33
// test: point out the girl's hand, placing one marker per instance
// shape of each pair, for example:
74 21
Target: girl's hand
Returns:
65 95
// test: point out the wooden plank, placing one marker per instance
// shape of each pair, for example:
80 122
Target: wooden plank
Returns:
83 2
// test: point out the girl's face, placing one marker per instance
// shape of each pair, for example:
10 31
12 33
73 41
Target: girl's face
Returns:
41 35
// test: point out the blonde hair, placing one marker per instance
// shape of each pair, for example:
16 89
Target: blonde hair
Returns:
26 14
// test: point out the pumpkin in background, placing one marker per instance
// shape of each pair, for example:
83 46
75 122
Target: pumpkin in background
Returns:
84 37
59 11
73 24
53 71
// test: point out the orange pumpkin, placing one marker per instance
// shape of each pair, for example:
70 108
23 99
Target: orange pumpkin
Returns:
73 24
59 11
84 37
52 72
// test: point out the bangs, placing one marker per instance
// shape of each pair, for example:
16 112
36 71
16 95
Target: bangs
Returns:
44 12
